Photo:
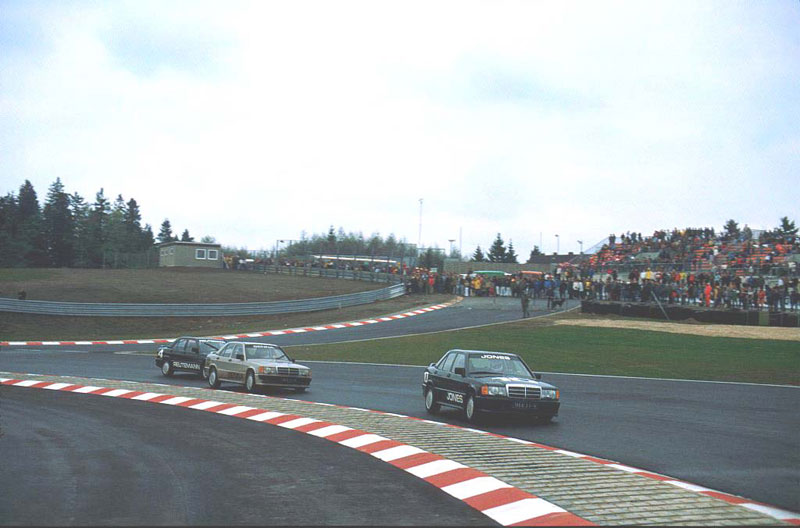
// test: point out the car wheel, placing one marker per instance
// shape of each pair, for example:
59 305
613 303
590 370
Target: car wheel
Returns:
250 381
470 412
300 389
543 419
213 380
430 405
166 368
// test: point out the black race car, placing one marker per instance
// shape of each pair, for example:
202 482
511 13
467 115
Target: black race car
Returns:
477 381
186 354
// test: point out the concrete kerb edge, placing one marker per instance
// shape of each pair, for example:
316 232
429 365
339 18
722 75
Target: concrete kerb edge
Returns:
264 333
496 499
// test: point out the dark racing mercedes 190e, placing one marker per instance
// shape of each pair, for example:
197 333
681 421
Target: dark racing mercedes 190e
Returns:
478 382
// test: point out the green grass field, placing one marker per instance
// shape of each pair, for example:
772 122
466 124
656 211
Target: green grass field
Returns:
545 346
562 348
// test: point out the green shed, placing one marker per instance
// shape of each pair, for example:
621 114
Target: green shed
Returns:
190 254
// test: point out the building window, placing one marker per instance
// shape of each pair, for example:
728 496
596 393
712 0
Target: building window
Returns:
200 254
212 254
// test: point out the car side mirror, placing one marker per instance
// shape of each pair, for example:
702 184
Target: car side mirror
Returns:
240 357
537 376
461 371
432 364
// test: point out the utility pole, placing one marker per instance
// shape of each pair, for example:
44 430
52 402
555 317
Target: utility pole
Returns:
558 245
419 238
581 243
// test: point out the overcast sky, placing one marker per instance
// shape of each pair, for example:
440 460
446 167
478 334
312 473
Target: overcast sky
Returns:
256 121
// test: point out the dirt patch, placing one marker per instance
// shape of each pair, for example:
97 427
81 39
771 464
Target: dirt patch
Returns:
711 330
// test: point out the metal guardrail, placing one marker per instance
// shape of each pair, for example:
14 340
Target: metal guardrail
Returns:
199 310
332 273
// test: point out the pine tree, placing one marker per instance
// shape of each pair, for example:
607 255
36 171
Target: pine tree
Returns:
497 253
478 256
148 240
33 245
80 214
787 227
731 228
511 255
165 234
115 237
185 236
97 230
534 252
59 226
12 250
132 220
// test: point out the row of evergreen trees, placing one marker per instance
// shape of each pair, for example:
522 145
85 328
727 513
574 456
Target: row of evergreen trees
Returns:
498 252
69 232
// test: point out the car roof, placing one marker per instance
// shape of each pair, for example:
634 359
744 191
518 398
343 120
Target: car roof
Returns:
482 352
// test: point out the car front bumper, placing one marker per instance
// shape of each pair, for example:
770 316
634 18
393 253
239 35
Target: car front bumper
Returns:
517 406
283 381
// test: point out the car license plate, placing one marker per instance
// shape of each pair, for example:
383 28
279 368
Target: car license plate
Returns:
524 405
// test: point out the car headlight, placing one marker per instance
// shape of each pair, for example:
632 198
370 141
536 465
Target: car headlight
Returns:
306 373
550 394
493 390
267 370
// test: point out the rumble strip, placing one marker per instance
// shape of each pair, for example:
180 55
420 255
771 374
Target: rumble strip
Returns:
333 326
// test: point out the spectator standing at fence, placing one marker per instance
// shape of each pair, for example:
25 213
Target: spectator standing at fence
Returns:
525 302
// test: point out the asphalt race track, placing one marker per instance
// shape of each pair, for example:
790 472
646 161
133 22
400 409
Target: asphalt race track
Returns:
77 463
736 438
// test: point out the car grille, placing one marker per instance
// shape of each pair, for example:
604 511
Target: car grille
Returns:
525 392
287 371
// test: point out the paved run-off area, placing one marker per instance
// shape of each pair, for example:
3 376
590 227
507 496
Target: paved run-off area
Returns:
580 487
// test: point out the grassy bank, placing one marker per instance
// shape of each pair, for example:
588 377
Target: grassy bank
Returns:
609 351
169 285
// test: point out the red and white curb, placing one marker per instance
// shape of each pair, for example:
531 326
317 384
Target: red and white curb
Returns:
501 502
765 509
265 333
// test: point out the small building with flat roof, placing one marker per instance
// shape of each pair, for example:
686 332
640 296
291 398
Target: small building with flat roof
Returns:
189 254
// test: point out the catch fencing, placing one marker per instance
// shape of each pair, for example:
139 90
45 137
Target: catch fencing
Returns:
205 310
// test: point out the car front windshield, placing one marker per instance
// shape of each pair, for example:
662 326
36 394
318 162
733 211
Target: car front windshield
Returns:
497 365
207 347
265 352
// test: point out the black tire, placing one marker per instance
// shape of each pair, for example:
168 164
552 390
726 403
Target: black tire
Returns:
430 404
543 420
300 389
250 381
166 368
470 412
213 380
202 372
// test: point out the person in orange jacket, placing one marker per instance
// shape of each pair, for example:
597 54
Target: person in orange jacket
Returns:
707 294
